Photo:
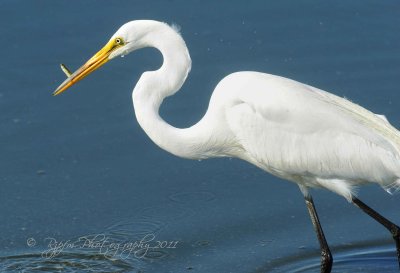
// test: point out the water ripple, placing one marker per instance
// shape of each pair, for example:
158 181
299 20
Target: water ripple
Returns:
131 229
136 230
367 259
65 262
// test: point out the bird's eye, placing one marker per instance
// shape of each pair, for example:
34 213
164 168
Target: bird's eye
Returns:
119 41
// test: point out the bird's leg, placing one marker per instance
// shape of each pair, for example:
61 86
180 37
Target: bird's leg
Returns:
393 228
326 256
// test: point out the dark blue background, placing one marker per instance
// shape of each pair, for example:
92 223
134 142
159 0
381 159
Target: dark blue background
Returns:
79 163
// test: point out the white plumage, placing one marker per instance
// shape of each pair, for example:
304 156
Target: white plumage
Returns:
287 128
306 135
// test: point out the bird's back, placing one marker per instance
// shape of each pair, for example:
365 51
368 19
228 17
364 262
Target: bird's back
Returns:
307 135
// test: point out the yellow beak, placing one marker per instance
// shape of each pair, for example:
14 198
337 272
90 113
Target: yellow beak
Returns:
91 65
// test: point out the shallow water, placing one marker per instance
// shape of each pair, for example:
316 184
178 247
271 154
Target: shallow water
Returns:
371 257
81 180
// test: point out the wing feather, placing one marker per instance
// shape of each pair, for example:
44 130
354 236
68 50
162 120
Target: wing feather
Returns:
294 130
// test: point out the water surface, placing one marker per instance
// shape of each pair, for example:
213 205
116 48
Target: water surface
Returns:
78 166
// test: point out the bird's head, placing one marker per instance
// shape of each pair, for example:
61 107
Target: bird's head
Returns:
125 40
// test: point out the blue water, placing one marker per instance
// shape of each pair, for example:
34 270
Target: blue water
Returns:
78 166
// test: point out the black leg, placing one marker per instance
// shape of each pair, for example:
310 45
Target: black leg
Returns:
394 229
326 256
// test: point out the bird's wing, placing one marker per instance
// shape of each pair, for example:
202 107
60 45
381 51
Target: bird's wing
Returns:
292 130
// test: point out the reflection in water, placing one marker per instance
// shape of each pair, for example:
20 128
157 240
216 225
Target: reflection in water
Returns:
367 258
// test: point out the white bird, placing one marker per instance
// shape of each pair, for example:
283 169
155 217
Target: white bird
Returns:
289 129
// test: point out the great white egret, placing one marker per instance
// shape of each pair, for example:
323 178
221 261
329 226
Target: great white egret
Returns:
287 128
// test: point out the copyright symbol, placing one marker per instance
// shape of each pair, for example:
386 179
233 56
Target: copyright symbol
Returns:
31 242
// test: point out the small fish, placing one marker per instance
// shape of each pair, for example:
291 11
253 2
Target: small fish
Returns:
65 70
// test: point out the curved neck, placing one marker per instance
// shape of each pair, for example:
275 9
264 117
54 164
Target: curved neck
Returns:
154 86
